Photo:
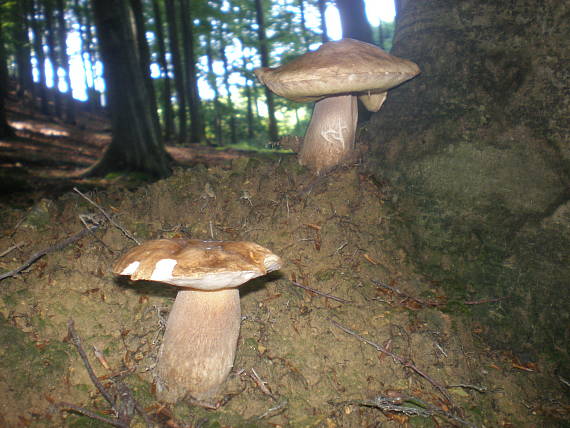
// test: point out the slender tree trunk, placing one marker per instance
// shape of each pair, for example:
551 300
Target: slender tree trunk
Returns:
231 108
304 37
166 89
40 57
178 69
64 61
135 145
324 31
353 19
52 55
217 123
196 121
5 129
23 52
144 57
249 97
264 52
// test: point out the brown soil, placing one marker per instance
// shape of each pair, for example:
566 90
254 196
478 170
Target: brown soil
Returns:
337 234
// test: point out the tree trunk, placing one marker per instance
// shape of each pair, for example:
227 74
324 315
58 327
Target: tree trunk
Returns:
478 148
144 56
5 129
353 19
64 61
216 122
322 9
231 108
135 145
23 52
40 57
264 52
166 90
178 69
304 37
196 120
52 55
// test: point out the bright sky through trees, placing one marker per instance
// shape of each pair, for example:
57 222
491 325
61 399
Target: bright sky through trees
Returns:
376 10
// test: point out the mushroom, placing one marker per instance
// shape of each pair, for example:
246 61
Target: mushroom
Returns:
199 344
334 76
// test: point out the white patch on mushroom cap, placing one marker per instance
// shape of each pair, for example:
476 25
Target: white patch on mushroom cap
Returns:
130 269
272 262
163 270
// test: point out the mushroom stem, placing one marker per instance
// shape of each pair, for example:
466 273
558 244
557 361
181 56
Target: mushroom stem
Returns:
199 344
329 140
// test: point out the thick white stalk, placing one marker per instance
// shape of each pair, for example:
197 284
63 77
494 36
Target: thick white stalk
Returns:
199 344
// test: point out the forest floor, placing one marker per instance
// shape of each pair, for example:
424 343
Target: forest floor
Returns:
376 344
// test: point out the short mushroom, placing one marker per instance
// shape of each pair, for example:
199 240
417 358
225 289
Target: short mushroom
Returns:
334 76
200 340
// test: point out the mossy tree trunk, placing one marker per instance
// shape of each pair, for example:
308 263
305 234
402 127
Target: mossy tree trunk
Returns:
136 145
478 147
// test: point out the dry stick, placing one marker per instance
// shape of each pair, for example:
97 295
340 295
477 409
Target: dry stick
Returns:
397 358
60 245
77 342
107 216
388 404
404 295
90 414
320 293
124 390
12 248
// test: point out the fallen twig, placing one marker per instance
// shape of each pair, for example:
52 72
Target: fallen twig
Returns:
320 293
124 403
395 405
405 295
107 216
36 256
397 358
12 248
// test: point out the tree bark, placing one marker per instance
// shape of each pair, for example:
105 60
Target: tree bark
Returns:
231 108
64 61
178 69
324 32
40 57
196 120
135 145
52 55
353 19
166 90
217 119
264 53
23 52
144 58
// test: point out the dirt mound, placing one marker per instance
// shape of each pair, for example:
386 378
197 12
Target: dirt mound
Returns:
302 357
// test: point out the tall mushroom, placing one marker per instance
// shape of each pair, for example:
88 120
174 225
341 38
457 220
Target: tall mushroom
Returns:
334 76
200 340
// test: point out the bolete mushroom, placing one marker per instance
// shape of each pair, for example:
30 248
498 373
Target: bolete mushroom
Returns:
199 344
334 76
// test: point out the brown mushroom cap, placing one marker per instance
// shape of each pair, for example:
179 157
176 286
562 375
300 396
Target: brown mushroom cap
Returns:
201 265
345 67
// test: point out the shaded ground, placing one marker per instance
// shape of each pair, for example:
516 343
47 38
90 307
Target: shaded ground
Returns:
340 234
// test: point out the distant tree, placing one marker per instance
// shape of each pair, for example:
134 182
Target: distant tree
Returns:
353 19
178 69
194 102
64 60
5 129
322 9
163 64
264 53
136 145
37 28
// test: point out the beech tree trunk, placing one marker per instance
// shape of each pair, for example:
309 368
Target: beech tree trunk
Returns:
353 19
166 89
196 120
264 52
477 151
135 145
178 69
